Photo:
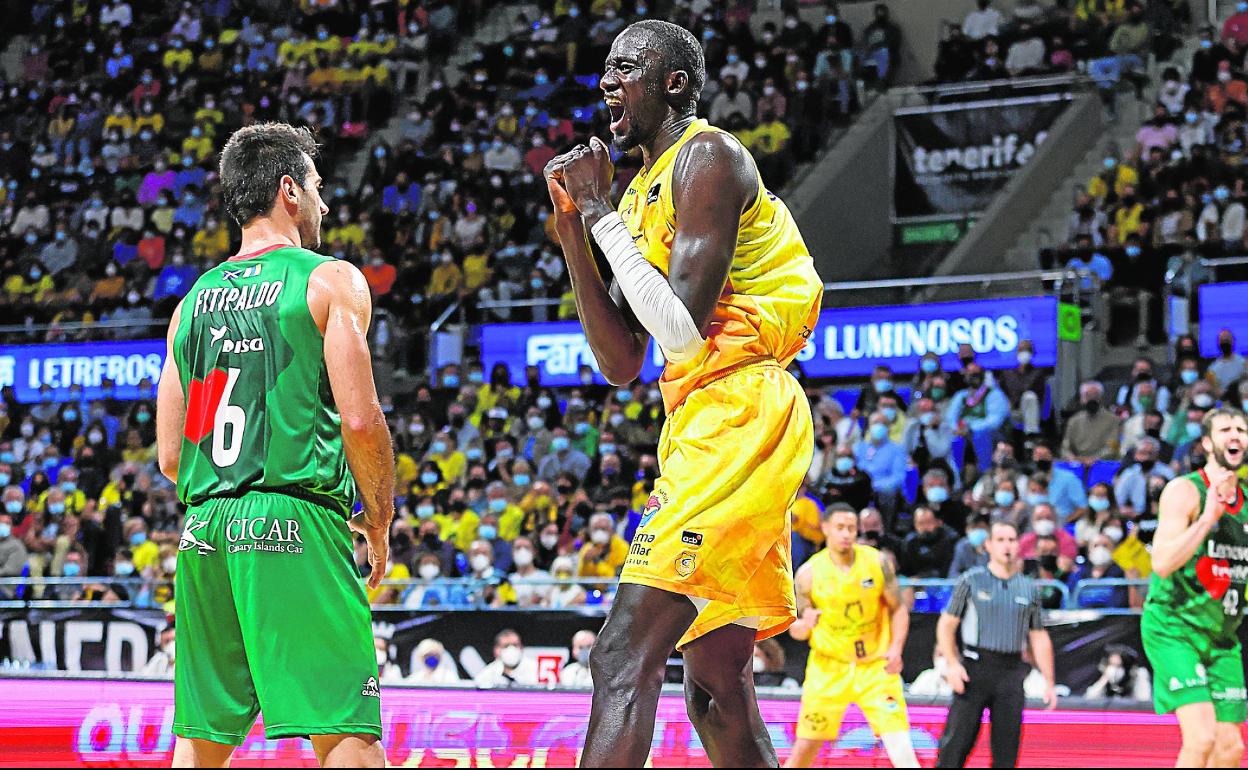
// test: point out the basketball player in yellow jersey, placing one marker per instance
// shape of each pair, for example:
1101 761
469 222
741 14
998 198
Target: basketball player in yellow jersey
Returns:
709 263
853 615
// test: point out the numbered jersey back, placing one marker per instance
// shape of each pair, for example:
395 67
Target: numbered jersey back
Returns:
259 411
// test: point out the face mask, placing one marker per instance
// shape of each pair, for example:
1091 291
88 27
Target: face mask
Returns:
1004 498
600 537
543 402
977 537
474 454
1092 407
27 430
879 432
424 511
56 508
71 569
1044 527
1202 400
480 563
138 539
1189 376
522 479
1098 504
929 365
560 444
170 565
1024 357
607 449
844 465
5 479
123 569
883 386
927 418
438 447
5 530
428 478
1224 76
1113 533
581 428
487 532
429 571
1100 556
937 495
510 656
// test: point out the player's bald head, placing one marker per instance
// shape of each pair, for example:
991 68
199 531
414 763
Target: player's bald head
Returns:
677 50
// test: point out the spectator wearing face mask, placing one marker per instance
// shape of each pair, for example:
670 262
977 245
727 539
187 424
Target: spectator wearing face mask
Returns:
768 667
979 412
1100 564
869 397
937 493
431 665
509 668
871 532
1130 552
1023 385
1044 523
527 586
1131 485
566 593
488 531
1122 677
1229 365
885 463
928 439
13 552
387 669
969 552
563 458
927 552
161 664
389 594
1066 493
605 552
145 554
431 593
576 673
844 482
1092 433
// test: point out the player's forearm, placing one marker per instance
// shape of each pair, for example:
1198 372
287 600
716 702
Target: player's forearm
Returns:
370 456
946 639
900 627
1170 556
1042 650
608 333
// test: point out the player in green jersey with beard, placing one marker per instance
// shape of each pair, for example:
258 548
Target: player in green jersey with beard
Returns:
1196 600
267 420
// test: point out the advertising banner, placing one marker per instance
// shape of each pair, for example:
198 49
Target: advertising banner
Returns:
1223 306
114 723
951 159
87 364
847 342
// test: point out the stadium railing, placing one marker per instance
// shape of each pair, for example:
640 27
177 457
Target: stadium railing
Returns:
1084 587
931 594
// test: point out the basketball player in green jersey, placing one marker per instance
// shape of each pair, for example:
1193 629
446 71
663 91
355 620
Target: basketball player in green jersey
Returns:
267 420
1196 600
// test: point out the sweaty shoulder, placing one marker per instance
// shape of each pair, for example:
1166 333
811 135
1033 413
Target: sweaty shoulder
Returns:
714 161
335 281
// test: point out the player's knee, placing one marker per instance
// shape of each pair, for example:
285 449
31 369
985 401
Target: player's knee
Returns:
1200 742
723 683
616 668
1229 747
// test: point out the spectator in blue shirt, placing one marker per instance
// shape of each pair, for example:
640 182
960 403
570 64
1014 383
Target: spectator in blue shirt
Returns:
980 411
189 175
1091 261
190 212
1131 486
1066 492
175 278
885 462
401 196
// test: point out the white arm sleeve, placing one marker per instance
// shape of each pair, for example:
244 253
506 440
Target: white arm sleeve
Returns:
650 296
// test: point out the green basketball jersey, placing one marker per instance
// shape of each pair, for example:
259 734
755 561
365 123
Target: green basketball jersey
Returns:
259 411
1207 594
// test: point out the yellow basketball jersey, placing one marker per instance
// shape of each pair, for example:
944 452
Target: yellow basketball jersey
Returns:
771 300
854 623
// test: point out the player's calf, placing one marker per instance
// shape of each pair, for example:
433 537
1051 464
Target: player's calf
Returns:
1228 746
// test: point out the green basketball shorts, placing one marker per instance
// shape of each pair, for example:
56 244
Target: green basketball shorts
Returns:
272 617
1190 667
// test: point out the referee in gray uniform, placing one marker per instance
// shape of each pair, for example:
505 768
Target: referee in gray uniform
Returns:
998 610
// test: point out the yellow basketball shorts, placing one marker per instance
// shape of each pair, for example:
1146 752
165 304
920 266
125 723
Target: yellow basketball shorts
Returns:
830 688
716 527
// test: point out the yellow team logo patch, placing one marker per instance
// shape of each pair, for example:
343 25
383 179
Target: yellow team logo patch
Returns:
686 563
